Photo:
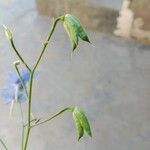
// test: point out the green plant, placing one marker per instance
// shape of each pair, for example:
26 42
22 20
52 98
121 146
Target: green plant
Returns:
23 93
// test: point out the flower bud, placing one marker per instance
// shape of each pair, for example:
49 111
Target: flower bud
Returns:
17 62
8 33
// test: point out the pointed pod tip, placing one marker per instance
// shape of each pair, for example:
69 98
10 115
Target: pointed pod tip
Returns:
86 39
89 41
74 47
79 138
90 134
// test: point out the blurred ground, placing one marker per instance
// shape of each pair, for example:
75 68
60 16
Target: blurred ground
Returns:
110 81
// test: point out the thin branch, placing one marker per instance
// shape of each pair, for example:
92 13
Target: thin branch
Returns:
4 145
31 80
29 110
20 78
51 117
46 42
23 126
33 121
18 54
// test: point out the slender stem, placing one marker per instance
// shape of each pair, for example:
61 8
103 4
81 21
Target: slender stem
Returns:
52 117
22 114
22 138
4 145
21 110
19 75
18 54
33 120
29 111
46 42
31 79
23 126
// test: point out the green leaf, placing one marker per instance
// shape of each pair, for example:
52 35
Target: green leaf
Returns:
74 30
79 127
83 121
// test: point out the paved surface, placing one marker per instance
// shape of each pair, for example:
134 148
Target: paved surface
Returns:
110 81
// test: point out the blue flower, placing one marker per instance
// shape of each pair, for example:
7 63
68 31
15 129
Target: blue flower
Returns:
14 91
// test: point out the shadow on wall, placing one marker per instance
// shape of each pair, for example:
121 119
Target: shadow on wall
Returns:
94 17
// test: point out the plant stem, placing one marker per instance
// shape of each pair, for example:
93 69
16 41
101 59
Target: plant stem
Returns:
31 79
4 145
29 110
46 42
21 110
19 75
52 117
20 57
22 138
23 126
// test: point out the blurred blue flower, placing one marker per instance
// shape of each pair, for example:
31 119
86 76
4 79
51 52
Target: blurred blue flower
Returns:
14 91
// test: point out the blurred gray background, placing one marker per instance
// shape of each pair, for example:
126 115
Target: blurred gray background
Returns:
115 4
109 79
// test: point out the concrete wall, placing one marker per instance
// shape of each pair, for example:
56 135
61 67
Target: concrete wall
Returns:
114 4
141 8
141 22
91 14
133 18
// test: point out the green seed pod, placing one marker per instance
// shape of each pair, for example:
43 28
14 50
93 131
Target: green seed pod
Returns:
82 119
74 30
79 127
71 33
